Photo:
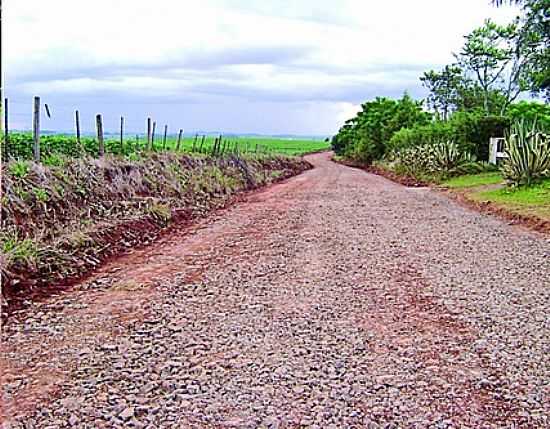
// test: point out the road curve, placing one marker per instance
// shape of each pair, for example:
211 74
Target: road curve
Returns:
336 299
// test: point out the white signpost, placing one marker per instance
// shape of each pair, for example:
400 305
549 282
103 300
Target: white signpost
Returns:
496 149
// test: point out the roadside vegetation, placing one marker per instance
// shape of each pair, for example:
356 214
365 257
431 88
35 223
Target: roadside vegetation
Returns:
444 139
60 221
79 200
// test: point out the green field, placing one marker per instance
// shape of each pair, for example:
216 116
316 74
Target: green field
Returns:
20 145
252 144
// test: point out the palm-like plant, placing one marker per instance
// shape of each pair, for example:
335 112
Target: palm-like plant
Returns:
528 152
444 157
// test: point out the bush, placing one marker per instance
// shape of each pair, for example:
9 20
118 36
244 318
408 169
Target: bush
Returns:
531 111
441 159
424 135
474 129
366 136
528 153
471 131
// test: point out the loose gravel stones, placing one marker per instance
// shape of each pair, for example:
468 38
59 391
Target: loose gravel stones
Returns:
335 300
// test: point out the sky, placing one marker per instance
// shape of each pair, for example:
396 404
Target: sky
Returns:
297 67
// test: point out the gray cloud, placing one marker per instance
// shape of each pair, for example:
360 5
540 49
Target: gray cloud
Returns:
243 65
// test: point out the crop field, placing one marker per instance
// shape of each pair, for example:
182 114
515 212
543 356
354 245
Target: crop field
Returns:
20 145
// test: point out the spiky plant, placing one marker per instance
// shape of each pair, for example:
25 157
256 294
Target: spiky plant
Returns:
528 154
448 156
441 158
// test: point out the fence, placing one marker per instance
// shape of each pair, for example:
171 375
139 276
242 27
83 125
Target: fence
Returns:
37 146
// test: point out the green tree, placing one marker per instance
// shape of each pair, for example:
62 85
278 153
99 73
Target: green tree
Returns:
445 87
366 136
494 58
534 37
530 111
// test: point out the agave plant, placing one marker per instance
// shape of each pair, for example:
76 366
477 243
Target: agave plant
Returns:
528 154
448 156
429 159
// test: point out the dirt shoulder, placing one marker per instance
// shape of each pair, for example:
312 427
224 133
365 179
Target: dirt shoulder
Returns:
466 197
96 210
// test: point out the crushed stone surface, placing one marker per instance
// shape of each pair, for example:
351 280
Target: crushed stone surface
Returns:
336 299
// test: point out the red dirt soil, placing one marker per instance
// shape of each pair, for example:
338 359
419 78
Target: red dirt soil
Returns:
397 313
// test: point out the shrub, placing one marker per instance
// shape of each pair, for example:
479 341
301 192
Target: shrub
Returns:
442 159
528 153
531 111
447 157
474 129
471 132
423 135
366 136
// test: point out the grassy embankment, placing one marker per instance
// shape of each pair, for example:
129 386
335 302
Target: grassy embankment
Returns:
61 221
489 187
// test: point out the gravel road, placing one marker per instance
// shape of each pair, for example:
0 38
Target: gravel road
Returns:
336 299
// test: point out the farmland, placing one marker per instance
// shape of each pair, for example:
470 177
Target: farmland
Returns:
20 145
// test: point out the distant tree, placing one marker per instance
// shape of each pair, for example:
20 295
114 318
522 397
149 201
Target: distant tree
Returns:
495 58
444 87
534 37
367 135
471 97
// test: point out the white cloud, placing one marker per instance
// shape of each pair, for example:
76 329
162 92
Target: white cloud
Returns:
274 51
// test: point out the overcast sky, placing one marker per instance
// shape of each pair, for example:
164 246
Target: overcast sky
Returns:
245 66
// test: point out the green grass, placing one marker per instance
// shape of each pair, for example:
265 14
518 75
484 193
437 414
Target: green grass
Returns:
474 180
293 147
538 194
527 200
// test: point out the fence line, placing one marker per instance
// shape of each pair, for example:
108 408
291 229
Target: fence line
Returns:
16 147
36 128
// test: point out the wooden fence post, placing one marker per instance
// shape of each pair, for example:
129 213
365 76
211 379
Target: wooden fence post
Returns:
77 126
122 135
164 139
179 140
36 129
5 152
202 143
153 135
149 139
101 143
214 145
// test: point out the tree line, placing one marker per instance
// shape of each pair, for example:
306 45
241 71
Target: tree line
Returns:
470 100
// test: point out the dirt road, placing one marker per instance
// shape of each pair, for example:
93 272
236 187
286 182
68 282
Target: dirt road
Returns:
336 299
